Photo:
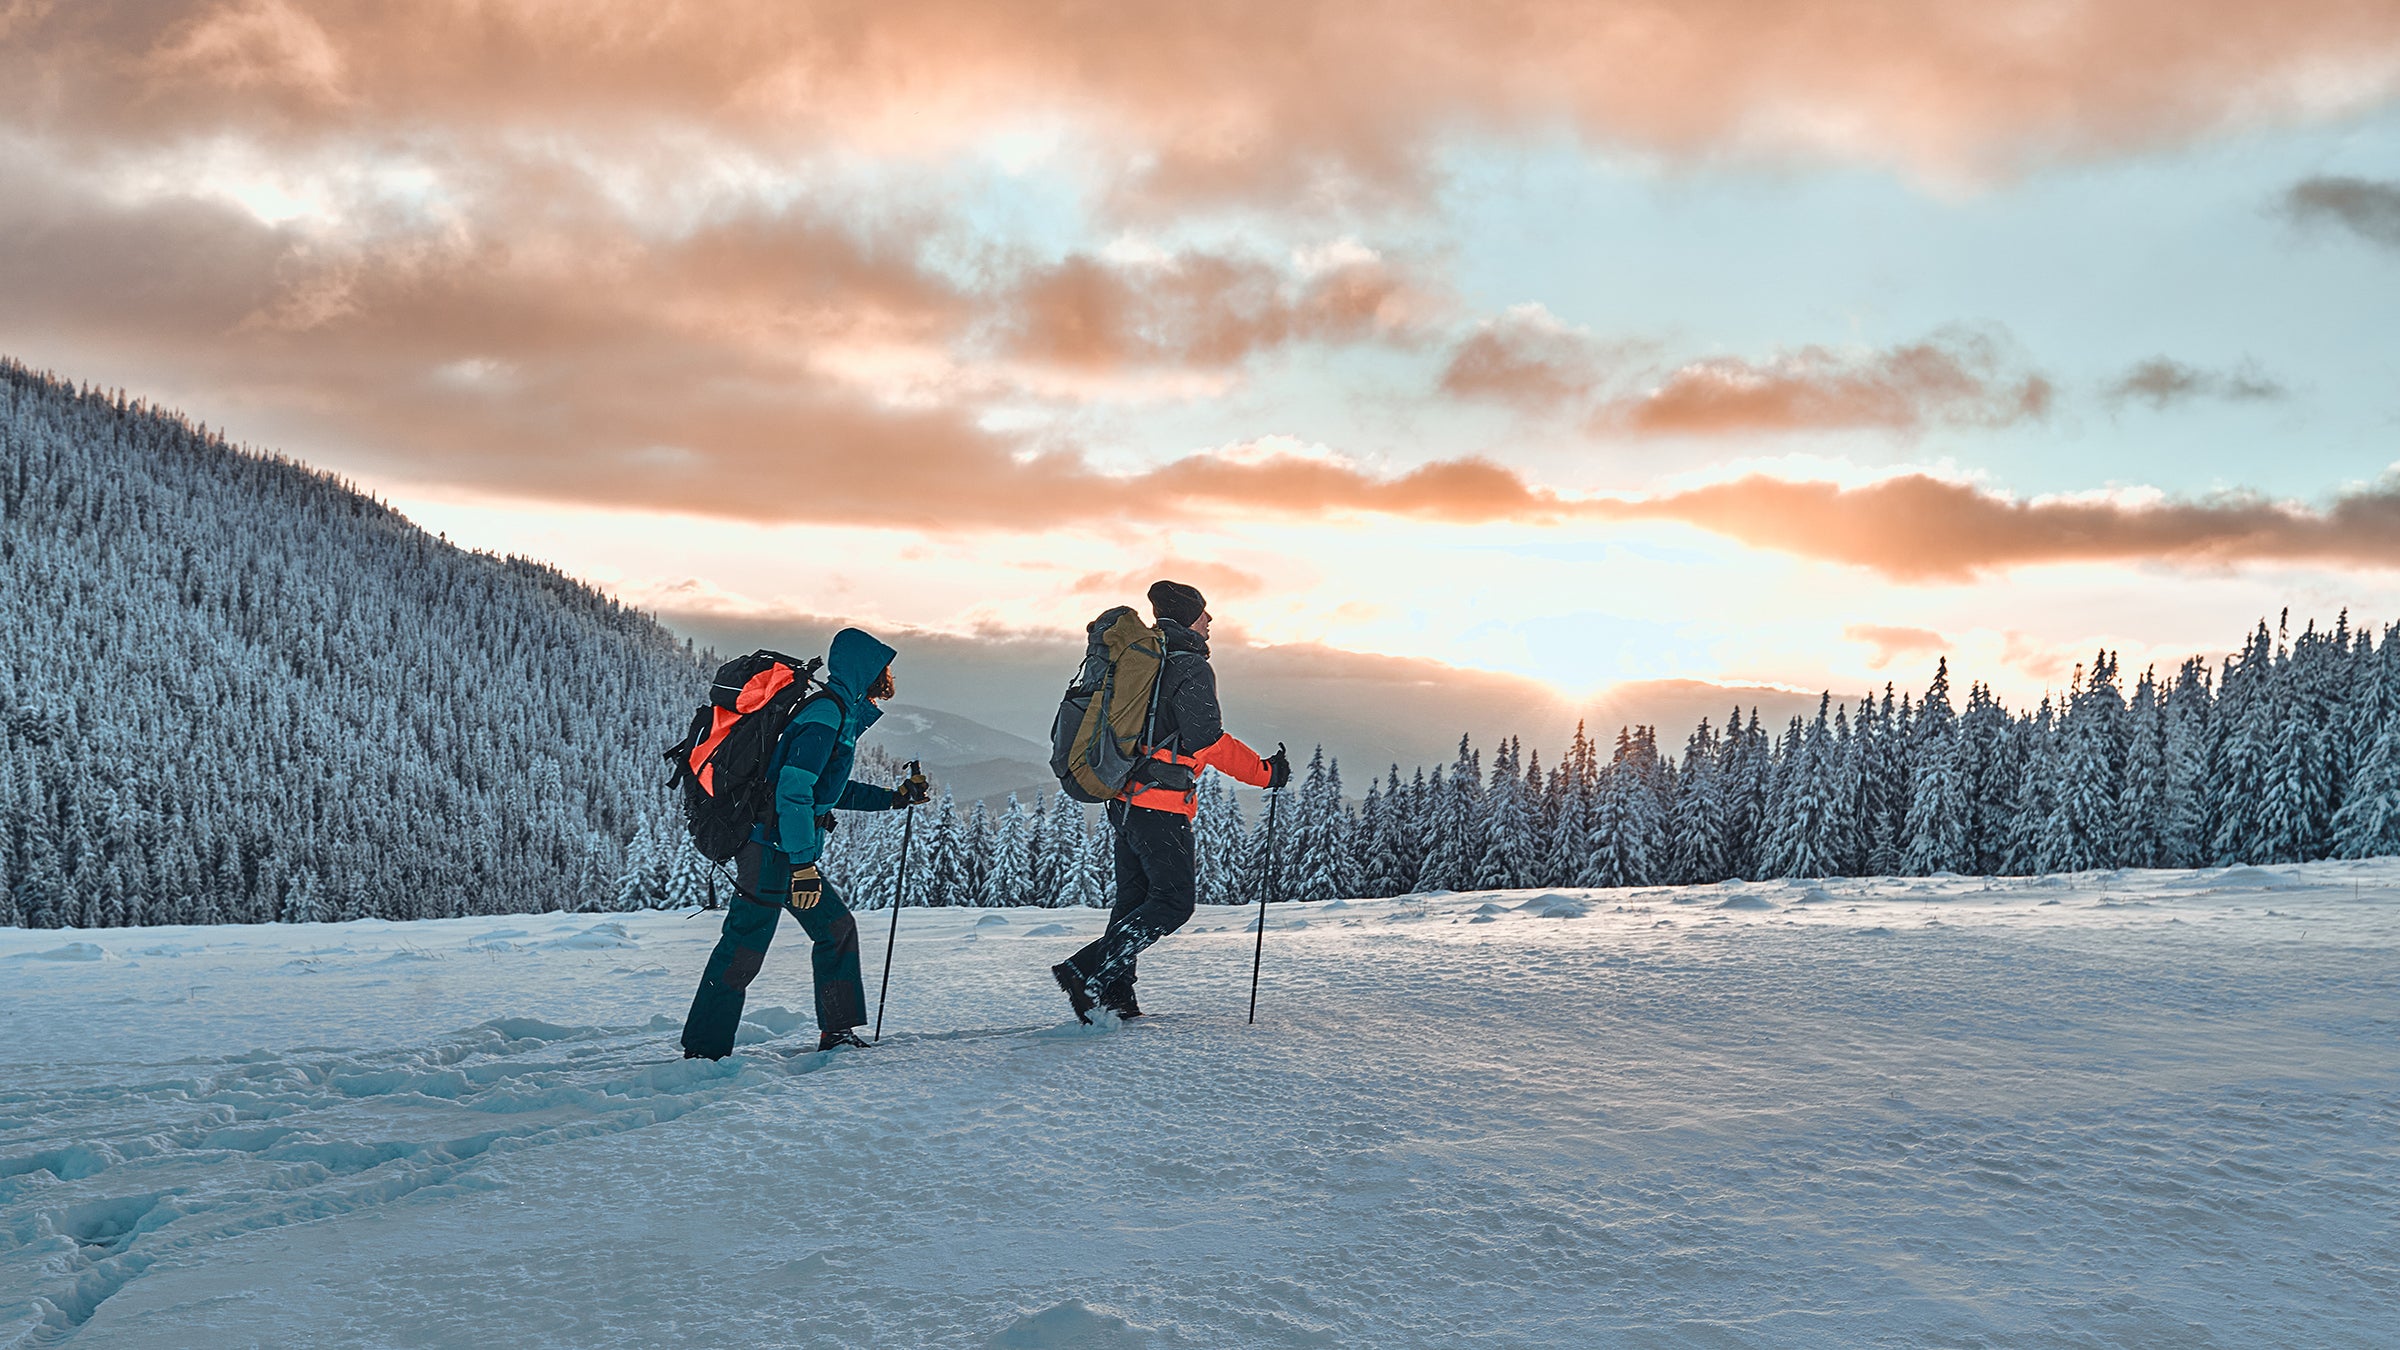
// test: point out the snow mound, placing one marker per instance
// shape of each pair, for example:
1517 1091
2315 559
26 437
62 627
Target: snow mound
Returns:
991 921
1815 895
533 1029
73 951
2259 877
1490 910
1070 1326
598 937
1552 905
774 1020
1747 902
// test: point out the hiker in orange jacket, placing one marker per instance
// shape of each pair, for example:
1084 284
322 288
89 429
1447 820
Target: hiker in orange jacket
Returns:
1152 818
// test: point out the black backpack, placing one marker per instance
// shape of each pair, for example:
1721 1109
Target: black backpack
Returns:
721 762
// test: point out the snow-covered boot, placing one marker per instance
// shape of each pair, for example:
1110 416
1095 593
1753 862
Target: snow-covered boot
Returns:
1079 994
1125 1008
839 1036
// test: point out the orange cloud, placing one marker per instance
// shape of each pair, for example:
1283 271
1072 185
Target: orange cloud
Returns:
1891 643
1525 358
1218 581
1265 101
1956 378
1918 528
1198 310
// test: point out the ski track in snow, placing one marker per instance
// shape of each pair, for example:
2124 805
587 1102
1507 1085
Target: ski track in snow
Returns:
2130 1108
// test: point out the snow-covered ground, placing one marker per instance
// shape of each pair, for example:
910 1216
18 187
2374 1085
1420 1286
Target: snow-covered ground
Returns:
2119 1109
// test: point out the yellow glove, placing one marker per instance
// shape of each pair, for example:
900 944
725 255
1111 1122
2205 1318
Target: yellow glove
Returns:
807 886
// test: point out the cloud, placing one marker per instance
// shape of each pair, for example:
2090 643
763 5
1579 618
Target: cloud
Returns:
760 364
2031 656
1922 529
2161 381
1268 102
1220 582
2366 207
1891 643
1956 378
1525 358
1199 310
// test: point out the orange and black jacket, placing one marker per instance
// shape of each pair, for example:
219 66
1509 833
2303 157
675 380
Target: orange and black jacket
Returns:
1187 734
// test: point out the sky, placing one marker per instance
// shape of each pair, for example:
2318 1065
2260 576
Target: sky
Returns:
1717 340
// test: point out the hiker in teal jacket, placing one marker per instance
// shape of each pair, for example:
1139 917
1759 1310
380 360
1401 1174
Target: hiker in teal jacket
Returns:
777 869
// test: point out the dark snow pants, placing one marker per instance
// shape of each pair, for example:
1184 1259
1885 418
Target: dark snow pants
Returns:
1156 887
749 928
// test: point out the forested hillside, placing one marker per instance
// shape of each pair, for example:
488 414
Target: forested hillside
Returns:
235 689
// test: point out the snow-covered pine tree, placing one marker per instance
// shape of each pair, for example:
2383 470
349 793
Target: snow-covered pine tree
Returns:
1627 841
1310 860
2081 832
2367 825
977 843
1512 853
2242 731
1941 784
2036 797
1004 876
944 879
1386 850
1991 764
1805 808
1061 839
1844 832
692 881
1221 843
1572 814
1092 877
1453 825
1366 829
1695 848
2142 795
2295 821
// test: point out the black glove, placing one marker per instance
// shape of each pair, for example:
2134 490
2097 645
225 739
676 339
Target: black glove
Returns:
807 887
913 789
1279 769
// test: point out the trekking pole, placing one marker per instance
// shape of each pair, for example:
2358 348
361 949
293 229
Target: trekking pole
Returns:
908 823
1259 954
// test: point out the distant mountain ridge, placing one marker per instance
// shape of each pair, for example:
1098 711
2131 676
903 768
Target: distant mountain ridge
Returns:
235 688
975 762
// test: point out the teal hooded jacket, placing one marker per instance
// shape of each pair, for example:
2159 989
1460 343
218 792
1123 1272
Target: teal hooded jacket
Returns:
812 762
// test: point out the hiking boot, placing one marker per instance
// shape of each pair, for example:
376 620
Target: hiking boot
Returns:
839 1036
1079 994
1125 1008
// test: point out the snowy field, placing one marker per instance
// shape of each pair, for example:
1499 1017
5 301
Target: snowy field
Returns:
2121 1109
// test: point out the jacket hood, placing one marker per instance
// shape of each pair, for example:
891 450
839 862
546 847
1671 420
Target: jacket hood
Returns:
853 662
1180 638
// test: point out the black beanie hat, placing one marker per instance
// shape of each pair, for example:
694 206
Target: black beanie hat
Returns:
1174 600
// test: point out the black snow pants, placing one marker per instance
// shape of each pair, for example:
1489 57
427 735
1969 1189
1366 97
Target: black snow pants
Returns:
749 928
1156 887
